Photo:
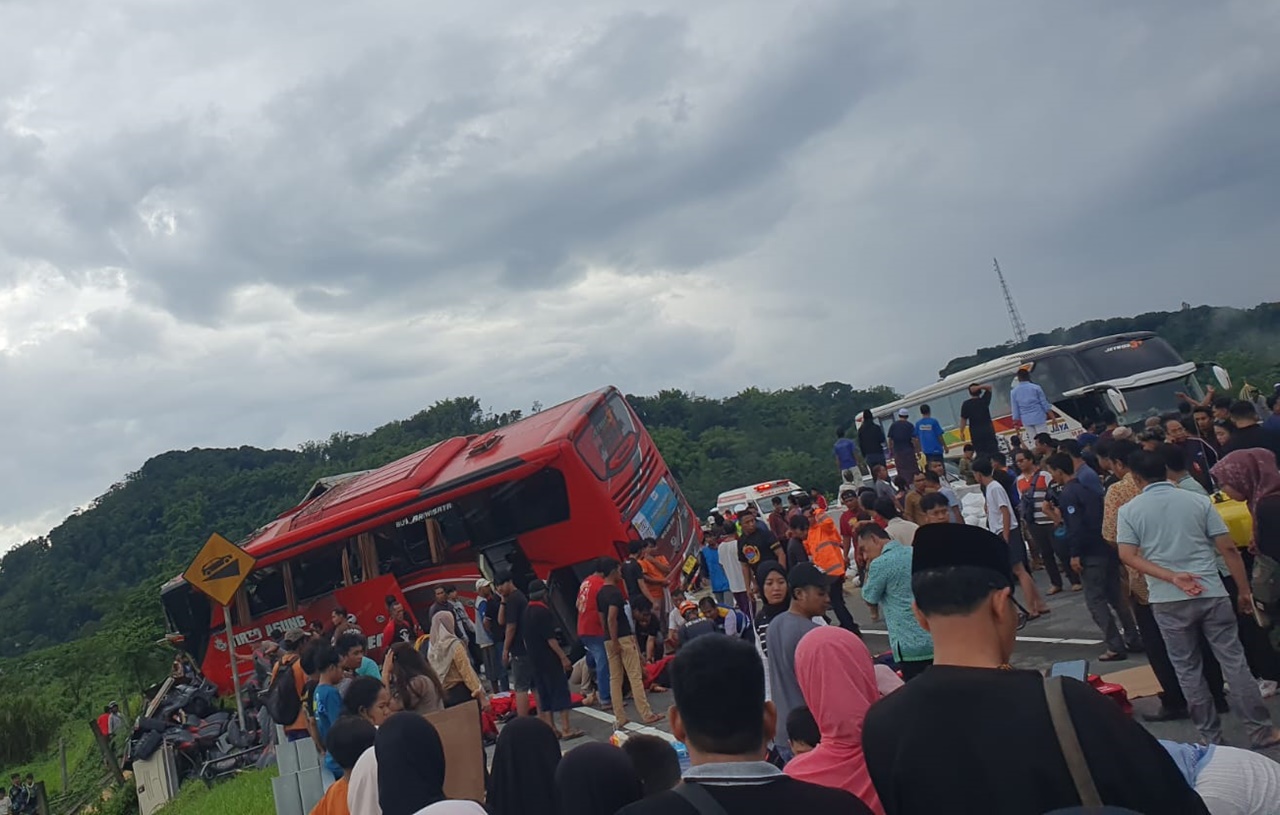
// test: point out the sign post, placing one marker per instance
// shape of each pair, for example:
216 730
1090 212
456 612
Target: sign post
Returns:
218 571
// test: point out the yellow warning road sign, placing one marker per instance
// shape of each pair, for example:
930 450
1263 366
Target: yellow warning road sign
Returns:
219 569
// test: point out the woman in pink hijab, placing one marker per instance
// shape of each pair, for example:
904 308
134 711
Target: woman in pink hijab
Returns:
1250 475
838 680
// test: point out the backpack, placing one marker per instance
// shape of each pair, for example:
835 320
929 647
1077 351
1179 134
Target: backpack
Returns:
281 699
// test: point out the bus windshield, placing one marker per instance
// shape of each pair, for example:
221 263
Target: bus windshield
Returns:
1127 358
1154 400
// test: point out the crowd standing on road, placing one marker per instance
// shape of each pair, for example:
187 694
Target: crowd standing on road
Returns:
781 705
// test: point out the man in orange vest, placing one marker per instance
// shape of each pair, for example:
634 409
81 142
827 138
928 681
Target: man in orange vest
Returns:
825 549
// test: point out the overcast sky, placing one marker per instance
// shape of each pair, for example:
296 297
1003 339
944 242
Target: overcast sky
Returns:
257 223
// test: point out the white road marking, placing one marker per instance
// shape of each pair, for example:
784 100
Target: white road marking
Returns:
1042 640
633 727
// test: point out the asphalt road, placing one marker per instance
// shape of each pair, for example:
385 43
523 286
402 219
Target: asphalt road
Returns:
1067 633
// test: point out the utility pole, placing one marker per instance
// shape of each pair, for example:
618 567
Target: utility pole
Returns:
1019 327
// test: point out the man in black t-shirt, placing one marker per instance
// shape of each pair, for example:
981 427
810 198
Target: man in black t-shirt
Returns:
756 544
623 651
514 654
550 664
721 715
632 571
975 413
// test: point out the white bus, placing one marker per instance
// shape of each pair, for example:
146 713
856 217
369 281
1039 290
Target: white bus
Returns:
1133 375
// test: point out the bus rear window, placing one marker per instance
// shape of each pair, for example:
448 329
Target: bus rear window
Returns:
507 510
610 438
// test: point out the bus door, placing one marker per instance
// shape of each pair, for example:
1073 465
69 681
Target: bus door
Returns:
507 556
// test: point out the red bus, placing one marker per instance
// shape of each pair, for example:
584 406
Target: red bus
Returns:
542 497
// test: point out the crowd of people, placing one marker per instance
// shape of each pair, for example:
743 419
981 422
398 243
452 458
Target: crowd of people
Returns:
781 704
20 798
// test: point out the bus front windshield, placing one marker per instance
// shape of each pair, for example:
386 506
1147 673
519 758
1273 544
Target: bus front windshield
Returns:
1157 399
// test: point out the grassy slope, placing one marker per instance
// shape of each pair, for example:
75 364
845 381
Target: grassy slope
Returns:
247 794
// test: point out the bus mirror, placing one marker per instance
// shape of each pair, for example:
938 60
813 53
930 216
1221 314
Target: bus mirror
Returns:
1119 405
1223 378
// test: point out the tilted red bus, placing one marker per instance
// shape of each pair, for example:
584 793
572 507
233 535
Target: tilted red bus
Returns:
542 497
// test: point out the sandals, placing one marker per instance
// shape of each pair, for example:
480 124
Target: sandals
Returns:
652 718
1112 656
572 734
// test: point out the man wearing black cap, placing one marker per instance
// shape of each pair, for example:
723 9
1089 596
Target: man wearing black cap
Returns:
974 735
810 598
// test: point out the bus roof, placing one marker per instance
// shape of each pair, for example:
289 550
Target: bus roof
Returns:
449 462
995 367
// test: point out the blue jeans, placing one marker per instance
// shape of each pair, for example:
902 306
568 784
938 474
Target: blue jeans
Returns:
598 661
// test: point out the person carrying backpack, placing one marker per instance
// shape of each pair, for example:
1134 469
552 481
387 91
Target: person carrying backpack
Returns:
286 688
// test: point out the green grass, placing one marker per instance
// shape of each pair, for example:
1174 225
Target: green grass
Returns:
247 794
80 744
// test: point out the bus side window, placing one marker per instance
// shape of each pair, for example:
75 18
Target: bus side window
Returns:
352 565
264 591
403 550
317 573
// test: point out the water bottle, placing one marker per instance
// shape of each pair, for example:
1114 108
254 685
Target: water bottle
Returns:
682 753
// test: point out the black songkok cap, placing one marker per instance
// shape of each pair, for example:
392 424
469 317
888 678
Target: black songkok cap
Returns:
938 546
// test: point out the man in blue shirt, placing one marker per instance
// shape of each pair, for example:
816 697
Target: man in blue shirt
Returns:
1094 560
1031 408
929 431
1170 535
846 457
712 569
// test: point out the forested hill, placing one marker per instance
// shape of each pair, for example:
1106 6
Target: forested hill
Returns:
148 526
1246 342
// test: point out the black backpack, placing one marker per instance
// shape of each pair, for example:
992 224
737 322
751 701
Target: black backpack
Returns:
281 699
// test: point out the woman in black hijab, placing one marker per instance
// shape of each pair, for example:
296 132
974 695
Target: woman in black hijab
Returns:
595 779
410 764
775 599
523 778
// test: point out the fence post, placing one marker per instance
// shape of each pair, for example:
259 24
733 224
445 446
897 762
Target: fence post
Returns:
108 754
62 764
42 800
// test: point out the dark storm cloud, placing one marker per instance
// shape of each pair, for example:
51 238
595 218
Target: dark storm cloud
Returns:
261 223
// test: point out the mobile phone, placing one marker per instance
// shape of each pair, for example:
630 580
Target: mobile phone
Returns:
1075 669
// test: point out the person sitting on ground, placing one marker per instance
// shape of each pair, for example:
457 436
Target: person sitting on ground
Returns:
695 625
522 779
348 739
721 715
802 731
1000 716
839 683
726 620
1228 779
367 698
596 778
655 761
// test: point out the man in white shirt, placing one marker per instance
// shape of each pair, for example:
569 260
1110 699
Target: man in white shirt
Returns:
728 554
1002 521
